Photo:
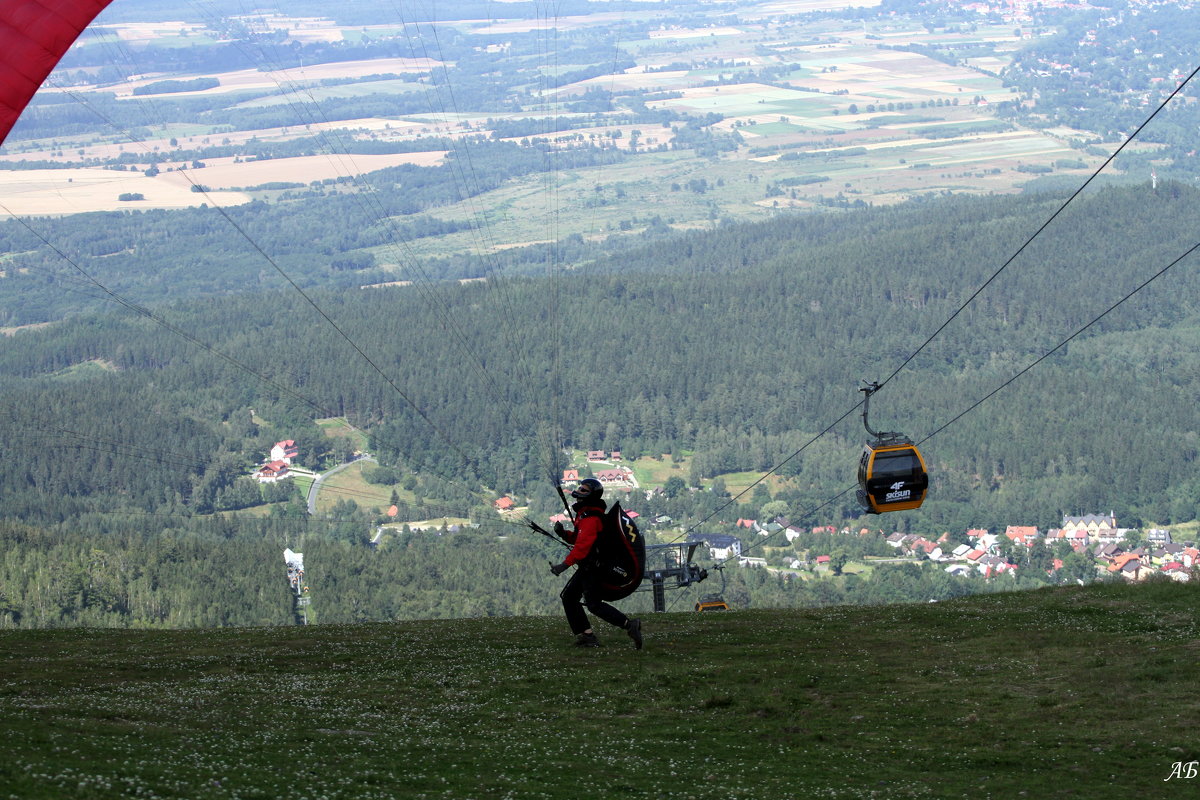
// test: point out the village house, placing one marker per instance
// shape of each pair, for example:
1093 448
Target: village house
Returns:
770 529
284 451
1176 572
272 472
505 504
570 476
1091 524
990 566
1118 562
1158 536
921 546
597 455
1135 570
987 542
616 478
1168 552
721 546
1024 535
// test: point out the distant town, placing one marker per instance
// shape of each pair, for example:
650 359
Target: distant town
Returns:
1128 553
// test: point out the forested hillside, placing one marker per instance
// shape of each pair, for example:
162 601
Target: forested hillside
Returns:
737 344
127 430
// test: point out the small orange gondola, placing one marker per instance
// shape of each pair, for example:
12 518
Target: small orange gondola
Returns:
891 471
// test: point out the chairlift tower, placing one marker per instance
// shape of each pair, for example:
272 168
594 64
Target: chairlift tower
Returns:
671 562
298 585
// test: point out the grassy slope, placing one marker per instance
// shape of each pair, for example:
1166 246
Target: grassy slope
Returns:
1086 692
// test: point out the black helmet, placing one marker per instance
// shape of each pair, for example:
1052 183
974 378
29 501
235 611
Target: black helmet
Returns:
588 490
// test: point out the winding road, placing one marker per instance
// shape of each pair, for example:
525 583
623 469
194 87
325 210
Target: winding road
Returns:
316 484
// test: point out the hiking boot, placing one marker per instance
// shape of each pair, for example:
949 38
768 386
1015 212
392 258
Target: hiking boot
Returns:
634 629
586 640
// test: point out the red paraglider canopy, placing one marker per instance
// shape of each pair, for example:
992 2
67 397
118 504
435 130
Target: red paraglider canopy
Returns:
34 34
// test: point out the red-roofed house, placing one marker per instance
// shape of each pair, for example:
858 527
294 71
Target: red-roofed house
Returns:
823 560
922 545
560 518
1190 556
1135 570
505 503
570 476
1078 539
615 455
284 451
596 455
621 475
745 523
975 555
270 473
1182 575
1022 534
1118 563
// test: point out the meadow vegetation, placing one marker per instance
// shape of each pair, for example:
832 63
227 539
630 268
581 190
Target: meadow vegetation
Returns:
1060 693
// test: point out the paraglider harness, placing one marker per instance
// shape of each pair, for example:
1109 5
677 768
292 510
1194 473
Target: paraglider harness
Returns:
617 560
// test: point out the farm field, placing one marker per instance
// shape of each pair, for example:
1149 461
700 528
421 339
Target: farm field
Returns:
868 120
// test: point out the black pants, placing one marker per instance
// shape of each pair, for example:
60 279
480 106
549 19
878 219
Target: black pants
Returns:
581 591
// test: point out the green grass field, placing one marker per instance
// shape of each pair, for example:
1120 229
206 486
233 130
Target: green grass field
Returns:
338 427
1062 693
349 484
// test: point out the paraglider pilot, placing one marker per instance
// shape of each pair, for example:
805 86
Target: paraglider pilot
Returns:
581 590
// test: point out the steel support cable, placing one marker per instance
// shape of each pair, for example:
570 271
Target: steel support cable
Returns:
485 244
1063 343
501 283
159 320
509 324
1041 228
258 248
126 450
554 256
235 518
963 306
364 198
367 196
555 433
221 210
1078 332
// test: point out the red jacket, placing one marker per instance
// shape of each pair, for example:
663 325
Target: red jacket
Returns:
588 523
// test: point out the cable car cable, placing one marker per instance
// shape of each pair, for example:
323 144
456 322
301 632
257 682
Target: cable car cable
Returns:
1041 228
962 307
809 512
